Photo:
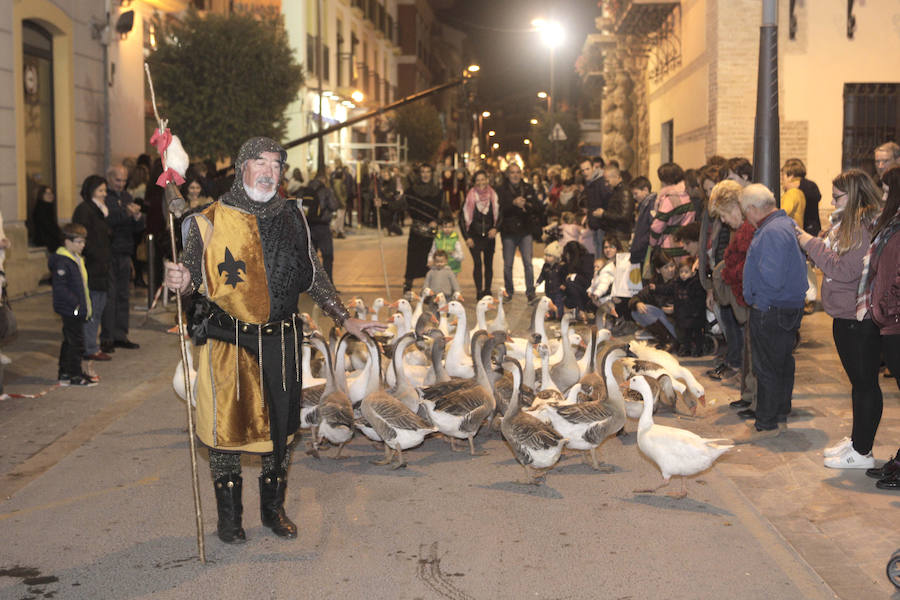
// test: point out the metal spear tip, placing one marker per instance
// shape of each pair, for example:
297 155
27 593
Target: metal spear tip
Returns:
175 202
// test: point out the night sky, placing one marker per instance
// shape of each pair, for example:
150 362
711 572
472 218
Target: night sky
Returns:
515 64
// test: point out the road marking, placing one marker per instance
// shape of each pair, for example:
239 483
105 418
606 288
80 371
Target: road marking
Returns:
141 482
49 456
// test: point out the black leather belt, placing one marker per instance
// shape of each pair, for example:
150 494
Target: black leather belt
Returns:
227 322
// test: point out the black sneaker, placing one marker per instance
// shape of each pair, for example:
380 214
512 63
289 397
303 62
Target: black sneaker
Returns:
532 298
891 467
94 378
81 381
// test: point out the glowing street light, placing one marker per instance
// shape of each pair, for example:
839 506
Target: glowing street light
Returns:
492 133
534 121
526 141
486 114
495 145
357 96
552 34
542 95
473 68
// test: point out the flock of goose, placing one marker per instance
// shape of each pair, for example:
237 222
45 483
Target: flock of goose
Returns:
429 373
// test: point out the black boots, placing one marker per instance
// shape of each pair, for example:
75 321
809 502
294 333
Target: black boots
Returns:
272 487
664 339
228 503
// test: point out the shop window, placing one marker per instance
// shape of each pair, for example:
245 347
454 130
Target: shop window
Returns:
871 118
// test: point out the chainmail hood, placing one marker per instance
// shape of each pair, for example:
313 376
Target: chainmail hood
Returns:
237 197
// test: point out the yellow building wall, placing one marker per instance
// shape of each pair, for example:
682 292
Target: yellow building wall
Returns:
683 95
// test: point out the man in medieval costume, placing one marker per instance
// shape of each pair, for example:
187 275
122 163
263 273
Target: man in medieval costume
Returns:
247 258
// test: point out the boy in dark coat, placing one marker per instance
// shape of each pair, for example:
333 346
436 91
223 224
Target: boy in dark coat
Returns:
553 278
71 301
690 311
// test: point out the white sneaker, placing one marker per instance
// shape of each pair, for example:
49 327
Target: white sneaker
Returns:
850 459
4 359
838 448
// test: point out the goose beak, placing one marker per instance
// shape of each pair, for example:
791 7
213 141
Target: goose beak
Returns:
552 306
702 399
394 304
443 309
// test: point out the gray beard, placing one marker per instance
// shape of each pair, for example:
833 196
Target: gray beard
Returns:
256 195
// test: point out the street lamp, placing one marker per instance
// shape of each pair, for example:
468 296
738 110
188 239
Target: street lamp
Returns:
552 34
486 114
492 133
357 96
534 121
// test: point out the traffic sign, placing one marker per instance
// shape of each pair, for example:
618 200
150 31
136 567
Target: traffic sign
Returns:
558 135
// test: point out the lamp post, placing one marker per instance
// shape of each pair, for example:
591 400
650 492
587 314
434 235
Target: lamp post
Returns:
552 34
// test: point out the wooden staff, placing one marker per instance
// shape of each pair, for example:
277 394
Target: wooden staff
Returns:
173 195
387 287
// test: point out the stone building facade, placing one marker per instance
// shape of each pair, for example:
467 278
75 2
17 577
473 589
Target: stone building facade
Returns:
700 71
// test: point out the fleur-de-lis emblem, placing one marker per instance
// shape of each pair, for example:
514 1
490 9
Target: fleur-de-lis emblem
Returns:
233 268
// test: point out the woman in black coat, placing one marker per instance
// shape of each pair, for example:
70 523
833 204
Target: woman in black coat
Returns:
423 201
45 227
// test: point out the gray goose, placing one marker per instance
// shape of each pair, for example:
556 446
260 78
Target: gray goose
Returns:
397 426
334 413
534 444
459 406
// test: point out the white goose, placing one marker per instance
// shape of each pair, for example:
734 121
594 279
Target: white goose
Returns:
481 308
675 369
397 426
518 346
499 322
377 305
675 451
440 301
565 373
457 363
357 304
534 444
415 357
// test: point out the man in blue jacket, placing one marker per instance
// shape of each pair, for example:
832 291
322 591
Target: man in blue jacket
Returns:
775 289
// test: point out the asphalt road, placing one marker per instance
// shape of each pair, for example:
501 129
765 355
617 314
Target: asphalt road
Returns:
96 502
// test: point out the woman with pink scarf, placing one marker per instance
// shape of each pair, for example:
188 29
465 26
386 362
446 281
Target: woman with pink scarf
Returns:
480 217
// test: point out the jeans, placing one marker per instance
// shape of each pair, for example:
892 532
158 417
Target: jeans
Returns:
653 314
598 235
772 336
72 348
320 234
92 326
483 264
858 345
525 244
734 337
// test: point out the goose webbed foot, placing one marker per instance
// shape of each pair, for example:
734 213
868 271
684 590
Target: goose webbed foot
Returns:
656 489
453 447
401 462
682 493
340 449
388 457
534 477
472 451
312 450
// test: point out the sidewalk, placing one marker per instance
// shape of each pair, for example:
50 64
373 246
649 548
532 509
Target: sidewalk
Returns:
95 493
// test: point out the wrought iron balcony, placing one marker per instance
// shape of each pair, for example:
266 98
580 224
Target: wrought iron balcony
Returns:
642 17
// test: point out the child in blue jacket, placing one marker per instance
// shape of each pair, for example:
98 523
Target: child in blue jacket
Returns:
71 301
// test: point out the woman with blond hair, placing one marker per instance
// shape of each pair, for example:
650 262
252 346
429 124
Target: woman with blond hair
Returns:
857 204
